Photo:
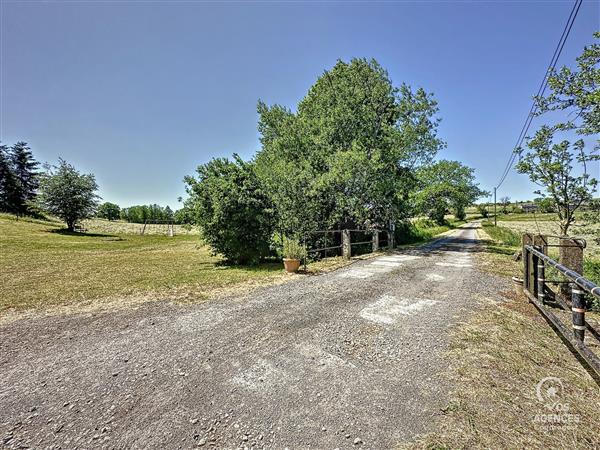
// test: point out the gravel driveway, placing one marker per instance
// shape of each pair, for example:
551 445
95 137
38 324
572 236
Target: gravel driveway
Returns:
349 359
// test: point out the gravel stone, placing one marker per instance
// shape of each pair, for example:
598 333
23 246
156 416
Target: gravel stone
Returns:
364 355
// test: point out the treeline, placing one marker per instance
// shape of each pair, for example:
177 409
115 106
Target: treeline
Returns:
357 152
147 214
142 213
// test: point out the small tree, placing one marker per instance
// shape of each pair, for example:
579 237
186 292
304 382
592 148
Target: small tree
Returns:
505 202
483 210
561 168
68 194
551 166
109 211
228 203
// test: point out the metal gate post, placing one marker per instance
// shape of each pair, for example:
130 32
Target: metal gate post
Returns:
541 280
346 248
578 308
534 280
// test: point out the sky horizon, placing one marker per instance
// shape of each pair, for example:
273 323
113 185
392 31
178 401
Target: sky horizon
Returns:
141 93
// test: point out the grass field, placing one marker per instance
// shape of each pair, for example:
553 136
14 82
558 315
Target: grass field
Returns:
41 265
120 227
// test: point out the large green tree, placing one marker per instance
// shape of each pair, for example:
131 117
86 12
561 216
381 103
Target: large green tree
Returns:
68 194
445 186
346 158
227 201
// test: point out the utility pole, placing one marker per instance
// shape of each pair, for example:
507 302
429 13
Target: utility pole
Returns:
495 219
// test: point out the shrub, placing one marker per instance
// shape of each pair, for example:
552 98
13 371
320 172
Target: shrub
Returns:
235 216
292 249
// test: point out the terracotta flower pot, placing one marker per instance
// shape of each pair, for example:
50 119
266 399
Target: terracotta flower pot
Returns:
518 284
291 265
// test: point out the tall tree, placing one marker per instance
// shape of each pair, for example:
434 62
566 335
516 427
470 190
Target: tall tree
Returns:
9 197
68 194
347 157
25 170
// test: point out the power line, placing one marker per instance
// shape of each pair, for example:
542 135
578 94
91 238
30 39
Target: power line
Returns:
541 89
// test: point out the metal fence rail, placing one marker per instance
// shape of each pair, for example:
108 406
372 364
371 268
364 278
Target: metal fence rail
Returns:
536 288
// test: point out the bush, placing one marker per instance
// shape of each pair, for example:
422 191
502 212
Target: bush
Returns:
482 209
234 214
292 249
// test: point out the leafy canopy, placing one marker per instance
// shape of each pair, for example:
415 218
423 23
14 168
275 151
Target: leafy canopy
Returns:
446 185
345 158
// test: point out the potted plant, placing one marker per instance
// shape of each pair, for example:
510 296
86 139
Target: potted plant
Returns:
293 253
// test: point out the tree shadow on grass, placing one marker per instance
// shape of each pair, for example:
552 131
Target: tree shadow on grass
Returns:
66 232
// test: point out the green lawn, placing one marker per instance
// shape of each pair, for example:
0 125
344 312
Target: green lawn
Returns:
41 265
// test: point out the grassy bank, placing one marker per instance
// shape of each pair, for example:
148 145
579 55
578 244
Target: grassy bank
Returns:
41 265
496 360
506 241
423 230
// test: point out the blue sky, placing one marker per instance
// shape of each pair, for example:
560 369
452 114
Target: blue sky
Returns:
140 93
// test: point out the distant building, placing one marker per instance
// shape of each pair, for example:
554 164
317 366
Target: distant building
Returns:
529 207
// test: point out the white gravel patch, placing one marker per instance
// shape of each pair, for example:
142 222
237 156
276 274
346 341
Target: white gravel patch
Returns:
386 263
435 277
388 309
355 273
450 264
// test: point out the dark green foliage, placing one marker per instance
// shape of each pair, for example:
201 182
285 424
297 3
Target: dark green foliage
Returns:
25 170
108 210
147 214
229 204
9 199
346 158
68 194
18 179
421 230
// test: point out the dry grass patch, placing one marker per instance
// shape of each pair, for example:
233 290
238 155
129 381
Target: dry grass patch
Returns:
496 360
41 266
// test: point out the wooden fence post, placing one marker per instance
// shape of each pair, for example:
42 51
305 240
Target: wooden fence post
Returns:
570 256
346 248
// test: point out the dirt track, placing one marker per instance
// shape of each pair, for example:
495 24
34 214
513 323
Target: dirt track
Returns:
350 359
